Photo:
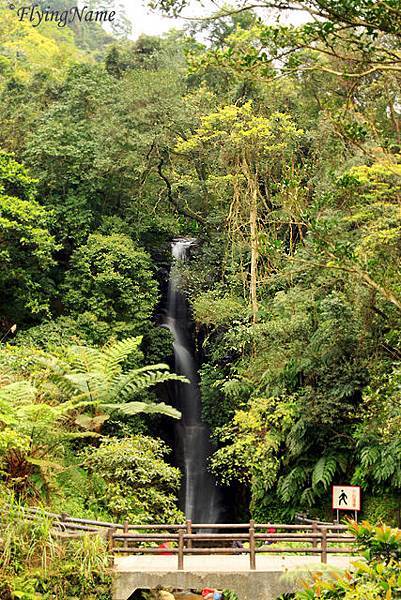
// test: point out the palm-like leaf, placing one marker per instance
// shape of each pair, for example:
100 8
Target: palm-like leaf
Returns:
18 392
13 395
128 384
97 377
114 354
324 471
133 408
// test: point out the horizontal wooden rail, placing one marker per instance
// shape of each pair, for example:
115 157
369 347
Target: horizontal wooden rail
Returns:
315 540
301 519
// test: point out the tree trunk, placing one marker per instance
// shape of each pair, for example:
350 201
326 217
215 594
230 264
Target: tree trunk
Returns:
253 222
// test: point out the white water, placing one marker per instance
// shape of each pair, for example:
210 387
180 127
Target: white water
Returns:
201 497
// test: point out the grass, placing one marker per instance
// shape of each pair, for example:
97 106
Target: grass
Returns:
36 562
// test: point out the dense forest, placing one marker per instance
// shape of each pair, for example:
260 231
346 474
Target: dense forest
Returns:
278 148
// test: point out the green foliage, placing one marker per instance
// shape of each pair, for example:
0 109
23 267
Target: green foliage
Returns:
378 434
221 396
250 448
53 334
210 309
278 147
139 484
383 508
35 562
381 543
111 278
376 577
333 33
98 380
32 439
27 51
27 246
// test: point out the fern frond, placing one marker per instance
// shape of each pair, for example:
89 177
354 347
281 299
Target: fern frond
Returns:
58 370
290 485
133 408
12 395
386 467
296 439
324 471
114 354
129 384
18 392
369 455
307 498
86 383
92 376
82 358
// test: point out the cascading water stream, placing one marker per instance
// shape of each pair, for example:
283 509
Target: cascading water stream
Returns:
201 497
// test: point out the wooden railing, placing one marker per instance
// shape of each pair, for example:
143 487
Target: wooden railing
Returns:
320 539
199 539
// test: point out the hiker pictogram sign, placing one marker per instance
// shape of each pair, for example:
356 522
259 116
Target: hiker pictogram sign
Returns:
346 497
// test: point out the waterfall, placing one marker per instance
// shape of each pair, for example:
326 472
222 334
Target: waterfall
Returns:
200 495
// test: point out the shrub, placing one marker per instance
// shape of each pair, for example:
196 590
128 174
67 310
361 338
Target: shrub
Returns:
377 576
140 485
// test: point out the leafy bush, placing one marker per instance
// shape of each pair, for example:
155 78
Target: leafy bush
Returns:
383 508
27 246
140 485
381 543
111 279
215 310
376 577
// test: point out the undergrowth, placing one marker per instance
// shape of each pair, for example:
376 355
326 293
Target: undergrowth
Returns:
36 561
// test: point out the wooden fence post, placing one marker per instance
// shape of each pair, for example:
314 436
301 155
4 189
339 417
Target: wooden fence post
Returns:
181 549
125 531
252 554
315 530
189 531
62 520
324 545
110 544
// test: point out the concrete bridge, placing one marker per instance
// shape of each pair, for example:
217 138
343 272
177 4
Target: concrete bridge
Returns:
257 561
273 575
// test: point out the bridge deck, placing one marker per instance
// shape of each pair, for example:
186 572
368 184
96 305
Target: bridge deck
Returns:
219 563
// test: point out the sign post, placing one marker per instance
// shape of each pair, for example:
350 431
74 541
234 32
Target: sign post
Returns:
346 497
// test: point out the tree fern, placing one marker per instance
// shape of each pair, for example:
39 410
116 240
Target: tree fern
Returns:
18 392
381 462
82 358
96 377
296 439
386 466
369 456
128 384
